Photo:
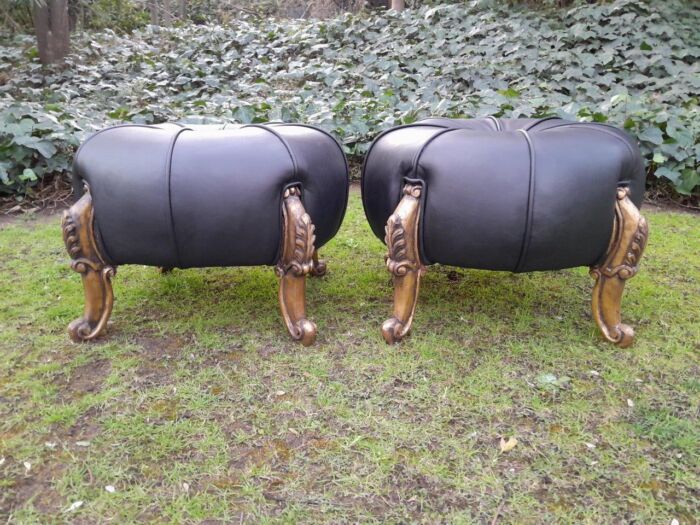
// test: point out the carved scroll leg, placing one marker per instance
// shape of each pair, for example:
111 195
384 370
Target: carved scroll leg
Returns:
403 261
320 267
629 238
296 261
79 238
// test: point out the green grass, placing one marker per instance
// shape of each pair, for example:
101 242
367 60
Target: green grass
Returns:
197 405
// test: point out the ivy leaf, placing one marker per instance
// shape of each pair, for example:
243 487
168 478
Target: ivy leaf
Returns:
28 175
509 93
4 175
46 148
653 135
659 158
668 173
690 179
630 64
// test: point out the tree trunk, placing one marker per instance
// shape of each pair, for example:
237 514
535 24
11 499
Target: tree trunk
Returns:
398 5
379 4
153 10
51 24
166 13
182 9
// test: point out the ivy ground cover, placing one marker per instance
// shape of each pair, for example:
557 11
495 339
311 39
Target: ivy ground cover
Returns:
634 64
197 407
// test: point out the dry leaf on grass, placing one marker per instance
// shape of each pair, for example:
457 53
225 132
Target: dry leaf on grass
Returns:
507 446
74 506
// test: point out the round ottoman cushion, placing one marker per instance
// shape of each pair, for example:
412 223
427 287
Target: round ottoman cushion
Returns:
518 195
195 196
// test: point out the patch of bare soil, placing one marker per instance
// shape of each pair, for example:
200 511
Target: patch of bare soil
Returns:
37 485
81 432
156 358
157 348
85 379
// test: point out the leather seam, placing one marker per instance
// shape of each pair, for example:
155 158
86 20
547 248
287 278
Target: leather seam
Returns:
496 122
295 175
540 121
419 153
345 161
527 234
169 168
414 172
295 180
87 140
595 126
374 143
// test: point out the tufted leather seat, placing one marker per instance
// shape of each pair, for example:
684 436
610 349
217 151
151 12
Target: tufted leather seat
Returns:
193 196
500 194
507 194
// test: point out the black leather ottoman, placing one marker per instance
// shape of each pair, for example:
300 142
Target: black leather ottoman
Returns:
516 195
184 197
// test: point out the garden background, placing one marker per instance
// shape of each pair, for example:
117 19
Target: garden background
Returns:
630 63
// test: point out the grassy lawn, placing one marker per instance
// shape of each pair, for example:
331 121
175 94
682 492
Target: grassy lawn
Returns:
197 407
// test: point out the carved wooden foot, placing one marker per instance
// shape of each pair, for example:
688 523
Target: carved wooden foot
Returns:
403 261
79 238
320 267
296 261
627 244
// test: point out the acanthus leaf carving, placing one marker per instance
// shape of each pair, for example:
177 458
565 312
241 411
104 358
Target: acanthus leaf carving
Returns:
629 238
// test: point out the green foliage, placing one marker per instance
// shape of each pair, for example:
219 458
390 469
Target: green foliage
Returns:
120 15
15 15
34 143
631 64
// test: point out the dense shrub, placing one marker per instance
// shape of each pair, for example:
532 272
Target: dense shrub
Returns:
122 15
34 143
633 64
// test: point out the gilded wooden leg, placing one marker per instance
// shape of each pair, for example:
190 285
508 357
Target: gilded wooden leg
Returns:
403 261
630 232
296 261
79 238
320 267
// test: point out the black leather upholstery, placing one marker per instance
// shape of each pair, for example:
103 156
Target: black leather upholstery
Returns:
194 196
518 195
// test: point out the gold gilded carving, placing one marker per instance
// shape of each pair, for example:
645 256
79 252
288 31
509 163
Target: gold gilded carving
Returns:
298 259
79 237
629 238
403 262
